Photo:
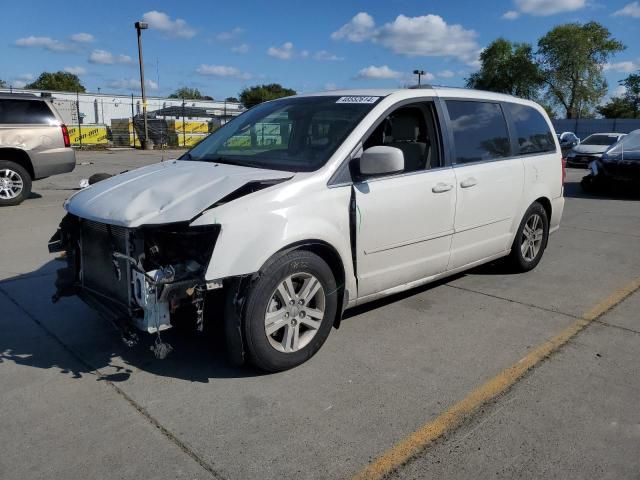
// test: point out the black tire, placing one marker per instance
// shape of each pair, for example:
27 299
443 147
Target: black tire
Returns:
259 348
98 177
26 183
517 258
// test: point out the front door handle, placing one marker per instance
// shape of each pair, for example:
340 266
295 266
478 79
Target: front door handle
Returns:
441 187
468 182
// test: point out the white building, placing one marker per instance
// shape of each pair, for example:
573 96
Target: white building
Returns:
101 108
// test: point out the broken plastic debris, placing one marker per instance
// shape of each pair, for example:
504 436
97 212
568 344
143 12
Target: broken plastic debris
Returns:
84 183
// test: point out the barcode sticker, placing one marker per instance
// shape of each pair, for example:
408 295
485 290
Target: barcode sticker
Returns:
357 100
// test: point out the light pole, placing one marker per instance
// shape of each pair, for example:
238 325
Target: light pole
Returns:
146 144
419 73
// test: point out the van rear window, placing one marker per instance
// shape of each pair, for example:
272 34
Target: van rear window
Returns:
25 112
532 130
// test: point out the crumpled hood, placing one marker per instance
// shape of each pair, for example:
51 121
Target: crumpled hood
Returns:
590 149
167 192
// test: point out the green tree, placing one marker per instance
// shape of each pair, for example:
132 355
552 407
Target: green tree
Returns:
252 96
3 84
59 81
189 94
571 57
628 104
231 99
508 67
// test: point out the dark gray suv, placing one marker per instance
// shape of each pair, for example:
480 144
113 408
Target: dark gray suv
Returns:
34 144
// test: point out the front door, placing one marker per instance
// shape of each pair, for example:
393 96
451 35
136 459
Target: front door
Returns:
404 222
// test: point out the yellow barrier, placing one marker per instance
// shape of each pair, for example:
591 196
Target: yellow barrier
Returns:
190 140
91 134
191 126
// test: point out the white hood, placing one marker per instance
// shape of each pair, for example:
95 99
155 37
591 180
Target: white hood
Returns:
590 149
168 192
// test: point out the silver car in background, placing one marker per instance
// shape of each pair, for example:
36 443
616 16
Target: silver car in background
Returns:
34 144
591 148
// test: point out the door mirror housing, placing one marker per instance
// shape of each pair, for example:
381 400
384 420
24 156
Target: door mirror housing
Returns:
380 160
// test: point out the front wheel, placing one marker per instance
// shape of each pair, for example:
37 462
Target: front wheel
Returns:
531 239
290 311
15 183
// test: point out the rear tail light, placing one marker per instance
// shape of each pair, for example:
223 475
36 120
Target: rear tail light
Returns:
564 170
65 136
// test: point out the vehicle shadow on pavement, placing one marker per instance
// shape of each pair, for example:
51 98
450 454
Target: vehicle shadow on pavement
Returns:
71 337
621 192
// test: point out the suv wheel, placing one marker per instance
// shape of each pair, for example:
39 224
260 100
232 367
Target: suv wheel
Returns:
15 183
290 311
531 239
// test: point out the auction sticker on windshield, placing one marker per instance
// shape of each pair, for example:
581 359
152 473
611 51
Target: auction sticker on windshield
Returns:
357 100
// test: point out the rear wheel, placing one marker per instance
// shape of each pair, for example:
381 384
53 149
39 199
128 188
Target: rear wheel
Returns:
531 239
15 183
290 311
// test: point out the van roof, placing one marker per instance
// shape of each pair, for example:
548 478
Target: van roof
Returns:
425 90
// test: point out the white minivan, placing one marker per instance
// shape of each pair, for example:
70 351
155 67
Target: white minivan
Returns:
305 206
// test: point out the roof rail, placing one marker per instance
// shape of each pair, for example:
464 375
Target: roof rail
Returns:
19 95
424 85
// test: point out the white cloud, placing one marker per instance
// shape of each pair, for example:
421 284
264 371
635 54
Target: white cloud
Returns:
619 91
446 74
510 15
76 70
242 48
163 22
542 8
382 72
131 84
330 86
427 35
21 80
327 56
230 35
42 42
82 37
104 57
629 10
285 52
360 28
622 67
222 71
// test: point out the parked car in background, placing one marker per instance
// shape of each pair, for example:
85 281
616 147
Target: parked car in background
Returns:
618 167
353 196
591 148
34 144
567 140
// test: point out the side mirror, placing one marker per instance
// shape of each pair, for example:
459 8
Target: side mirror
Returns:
381 160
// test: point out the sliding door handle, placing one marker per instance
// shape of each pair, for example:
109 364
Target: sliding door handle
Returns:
441 187
468 182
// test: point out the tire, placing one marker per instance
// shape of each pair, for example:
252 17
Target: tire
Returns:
534 246
10 174
280 335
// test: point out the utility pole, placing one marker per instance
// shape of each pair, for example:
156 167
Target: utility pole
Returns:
133 123
78 115
419 73
146 144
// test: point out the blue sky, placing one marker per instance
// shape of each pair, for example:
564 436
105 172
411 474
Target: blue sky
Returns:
221 47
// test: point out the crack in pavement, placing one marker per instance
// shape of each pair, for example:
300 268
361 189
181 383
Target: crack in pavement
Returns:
139 408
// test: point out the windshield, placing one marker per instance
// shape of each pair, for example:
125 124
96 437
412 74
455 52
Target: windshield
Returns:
628 143
296 134
600 140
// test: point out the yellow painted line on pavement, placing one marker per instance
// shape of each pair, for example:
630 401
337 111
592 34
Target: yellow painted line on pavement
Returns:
400 453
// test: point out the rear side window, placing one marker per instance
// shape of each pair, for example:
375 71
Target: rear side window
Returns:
25 111
479 131
532 131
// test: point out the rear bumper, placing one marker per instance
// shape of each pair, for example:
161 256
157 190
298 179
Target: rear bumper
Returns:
53 162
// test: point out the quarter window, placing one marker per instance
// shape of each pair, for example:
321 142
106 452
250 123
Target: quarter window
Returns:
25 111
532 131
479 131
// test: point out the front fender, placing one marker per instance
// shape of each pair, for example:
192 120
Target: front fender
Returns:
251 233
